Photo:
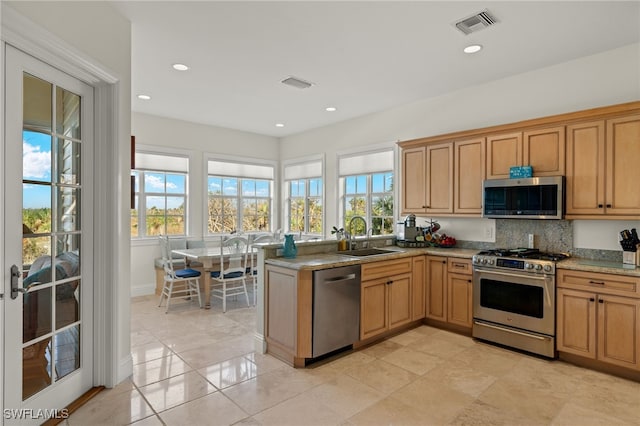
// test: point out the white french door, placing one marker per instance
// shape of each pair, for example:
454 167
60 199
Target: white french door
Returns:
48 238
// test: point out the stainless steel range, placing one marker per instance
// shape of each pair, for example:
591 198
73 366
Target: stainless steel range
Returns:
514 298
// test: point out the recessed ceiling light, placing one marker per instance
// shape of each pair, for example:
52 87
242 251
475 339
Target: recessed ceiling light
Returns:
180 67
472 48
144 97
279 125
331 109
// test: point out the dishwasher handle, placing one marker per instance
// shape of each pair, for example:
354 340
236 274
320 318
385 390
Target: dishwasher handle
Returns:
341 278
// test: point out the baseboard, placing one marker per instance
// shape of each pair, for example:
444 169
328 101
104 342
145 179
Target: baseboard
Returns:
125 368
143 290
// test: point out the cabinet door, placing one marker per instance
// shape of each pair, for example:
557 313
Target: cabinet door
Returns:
414 166
619 331
469 166
544 150
418 287
373 308
440 178
623 166
436 288
459 300
399 300
503 152
585 168
576 322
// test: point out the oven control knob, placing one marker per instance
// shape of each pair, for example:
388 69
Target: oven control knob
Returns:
484 261
538 267
547 268
528 266
490 261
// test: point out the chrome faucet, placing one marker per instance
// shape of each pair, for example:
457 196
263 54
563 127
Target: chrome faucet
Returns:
350 229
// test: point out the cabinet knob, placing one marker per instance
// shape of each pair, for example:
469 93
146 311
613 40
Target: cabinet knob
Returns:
389 282
608 206
444 261
600 301
592 300
600 206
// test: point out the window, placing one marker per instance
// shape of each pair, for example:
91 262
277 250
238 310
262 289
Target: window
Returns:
239 197
304 197
367 189
370 196
305 205
160 195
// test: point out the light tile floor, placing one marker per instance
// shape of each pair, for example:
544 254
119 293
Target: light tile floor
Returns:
198 367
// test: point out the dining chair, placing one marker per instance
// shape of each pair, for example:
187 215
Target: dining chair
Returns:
180 283
230 280
252 269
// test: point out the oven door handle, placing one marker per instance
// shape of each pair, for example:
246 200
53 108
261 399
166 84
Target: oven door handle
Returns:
507 274
508 330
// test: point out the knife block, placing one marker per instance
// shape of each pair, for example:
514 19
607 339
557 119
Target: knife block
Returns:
631 257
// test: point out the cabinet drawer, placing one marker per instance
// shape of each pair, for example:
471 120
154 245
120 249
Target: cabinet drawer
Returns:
385 268
458 265
603 283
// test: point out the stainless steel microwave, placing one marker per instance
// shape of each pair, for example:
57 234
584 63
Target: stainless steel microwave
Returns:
526 198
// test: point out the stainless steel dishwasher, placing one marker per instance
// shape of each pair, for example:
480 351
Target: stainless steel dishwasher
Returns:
336 309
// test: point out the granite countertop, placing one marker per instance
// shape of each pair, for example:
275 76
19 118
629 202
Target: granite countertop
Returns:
333 260
578 264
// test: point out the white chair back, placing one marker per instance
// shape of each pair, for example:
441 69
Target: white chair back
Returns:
236 250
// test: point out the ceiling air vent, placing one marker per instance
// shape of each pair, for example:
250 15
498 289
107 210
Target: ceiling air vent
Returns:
476 22
296 82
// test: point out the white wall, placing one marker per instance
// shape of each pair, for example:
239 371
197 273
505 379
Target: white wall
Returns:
608 78
196 140
100 33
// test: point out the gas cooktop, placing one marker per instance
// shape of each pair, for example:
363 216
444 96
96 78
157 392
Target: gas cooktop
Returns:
525 253
530 261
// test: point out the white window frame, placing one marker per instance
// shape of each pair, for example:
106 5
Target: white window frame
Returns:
306 177
141 193
342 174
238 161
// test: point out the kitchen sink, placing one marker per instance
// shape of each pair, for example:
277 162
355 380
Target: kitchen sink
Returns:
367 252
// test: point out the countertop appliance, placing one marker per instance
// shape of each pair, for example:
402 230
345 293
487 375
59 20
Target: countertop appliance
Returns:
336 309
526 198
514 298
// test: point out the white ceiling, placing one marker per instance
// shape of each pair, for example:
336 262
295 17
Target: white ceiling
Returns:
362 56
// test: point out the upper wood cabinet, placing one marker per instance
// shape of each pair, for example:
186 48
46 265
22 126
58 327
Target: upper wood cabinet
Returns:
427 179
444 178
439 178
622 196
469 169
503 152
414 193
543 149
602 168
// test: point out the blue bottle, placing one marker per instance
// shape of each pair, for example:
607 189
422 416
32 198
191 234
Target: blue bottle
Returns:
290 250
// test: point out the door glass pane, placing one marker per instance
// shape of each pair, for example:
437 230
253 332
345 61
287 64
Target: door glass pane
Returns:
37 105
67 113
36 156
67 345
67 297
68 205
36 367
36 314
68 162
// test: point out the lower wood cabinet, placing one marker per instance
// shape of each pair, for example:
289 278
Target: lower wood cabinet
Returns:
385 297
449 290
595 323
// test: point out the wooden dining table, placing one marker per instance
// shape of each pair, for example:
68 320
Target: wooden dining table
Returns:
207 256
